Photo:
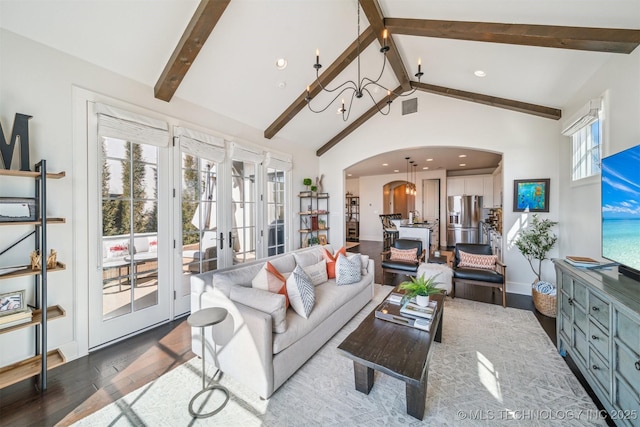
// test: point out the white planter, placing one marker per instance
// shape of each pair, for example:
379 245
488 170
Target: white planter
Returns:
422 301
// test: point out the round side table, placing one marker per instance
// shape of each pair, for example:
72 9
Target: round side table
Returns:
201 319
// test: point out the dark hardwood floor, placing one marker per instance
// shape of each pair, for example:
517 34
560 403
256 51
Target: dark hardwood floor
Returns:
85 385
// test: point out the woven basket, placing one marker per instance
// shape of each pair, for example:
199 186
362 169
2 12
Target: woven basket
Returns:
545 304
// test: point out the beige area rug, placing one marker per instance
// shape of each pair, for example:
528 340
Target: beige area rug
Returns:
494 366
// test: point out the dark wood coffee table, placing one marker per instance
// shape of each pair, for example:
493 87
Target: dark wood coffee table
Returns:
396 350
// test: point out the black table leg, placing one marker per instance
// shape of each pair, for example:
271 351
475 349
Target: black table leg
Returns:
438 337
416 398
363 376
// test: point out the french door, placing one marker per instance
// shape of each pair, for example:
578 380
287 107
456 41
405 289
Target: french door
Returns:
132 227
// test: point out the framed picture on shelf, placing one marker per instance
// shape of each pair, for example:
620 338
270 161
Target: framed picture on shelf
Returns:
12 302
322 239
531 195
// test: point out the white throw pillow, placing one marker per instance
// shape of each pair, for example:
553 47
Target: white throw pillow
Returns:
302 294
364 260
265 301
317 272
348 270
308 257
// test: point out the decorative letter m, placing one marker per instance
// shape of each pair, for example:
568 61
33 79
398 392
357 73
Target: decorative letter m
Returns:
20 133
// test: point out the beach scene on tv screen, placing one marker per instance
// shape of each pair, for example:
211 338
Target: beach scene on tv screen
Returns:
621 207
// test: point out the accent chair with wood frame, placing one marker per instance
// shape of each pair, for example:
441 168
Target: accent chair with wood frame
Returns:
399 266
495 277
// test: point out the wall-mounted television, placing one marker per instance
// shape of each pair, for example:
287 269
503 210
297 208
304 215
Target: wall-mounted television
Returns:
621 210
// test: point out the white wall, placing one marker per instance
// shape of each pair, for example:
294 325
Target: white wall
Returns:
580 221
530 146
38 80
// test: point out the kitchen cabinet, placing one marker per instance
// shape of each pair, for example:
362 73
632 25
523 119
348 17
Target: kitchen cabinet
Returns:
497 187
598 325
472 185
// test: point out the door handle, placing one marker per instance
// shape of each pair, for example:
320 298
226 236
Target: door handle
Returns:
570 301
230 240
595 367
594 337
637 364
222 240
594 308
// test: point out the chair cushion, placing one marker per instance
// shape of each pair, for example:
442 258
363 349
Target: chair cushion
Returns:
486 262
478 274
400 265
404 254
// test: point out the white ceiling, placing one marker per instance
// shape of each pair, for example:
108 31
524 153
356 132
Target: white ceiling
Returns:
235 72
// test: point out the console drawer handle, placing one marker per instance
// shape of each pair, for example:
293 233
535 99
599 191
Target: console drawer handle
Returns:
595 367
594 308
570 301
637 365
593 337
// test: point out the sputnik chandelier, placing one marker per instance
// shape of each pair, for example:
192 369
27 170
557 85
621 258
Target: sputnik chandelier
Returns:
359 88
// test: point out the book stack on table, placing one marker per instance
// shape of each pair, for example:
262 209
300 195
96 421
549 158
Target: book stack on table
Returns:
581 261
409 314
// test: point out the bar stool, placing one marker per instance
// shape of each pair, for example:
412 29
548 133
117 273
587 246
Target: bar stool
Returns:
201 319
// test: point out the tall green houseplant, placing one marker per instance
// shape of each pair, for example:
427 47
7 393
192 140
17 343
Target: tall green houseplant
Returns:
536 241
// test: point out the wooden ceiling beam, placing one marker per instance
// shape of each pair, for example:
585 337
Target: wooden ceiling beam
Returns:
373 12
522 107
614 40
338 66
358 122
195 35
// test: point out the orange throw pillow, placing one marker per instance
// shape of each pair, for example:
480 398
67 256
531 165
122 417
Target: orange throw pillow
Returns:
331 260
270 279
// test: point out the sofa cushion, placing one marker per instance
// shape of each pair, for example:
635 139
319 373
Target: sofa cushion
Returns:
115 249
348 270
317 272
270 279
331 260
265 301
486 262
329 297
308 257
301 292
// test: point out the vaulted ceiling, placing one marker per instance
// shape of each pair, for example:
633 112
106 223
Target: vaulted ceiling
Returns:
221 54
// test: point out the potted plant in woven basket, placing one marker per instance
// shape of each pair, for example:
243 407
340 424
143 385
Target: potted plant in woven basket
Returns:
535 242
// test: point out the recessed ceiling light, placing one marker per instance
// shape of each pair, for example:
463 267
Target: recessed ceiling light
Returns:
282 85
463 164
429 160
425 168
385 164
396 170
462 155
479 73
281 63
349 174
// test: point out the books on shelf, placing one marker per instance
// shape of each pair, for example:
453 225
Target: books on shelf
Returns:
16 318
581 261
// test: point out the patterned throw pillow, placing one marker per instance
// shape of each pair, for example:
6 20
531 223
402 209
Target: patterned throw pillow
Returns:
302 294
348 270
270 279
484 262
331 261
317 272
404 255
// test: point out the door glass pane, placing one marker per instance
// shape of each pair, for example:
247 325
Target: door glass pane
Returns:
129 227
275 211
199 191
243 205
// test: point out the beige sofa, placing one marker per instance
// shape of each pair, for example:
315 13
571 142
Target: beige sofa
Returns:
248 349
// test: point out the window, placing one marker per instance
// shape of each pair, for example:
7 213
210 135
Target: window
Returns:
586 151
585 130
275 211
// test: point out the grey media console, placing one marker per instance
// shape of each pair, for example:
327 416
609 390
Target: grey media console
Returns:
598 325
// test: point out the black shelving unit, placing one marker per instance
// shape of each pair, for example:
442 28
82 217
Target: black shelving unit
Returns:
42 313
352 218
314 218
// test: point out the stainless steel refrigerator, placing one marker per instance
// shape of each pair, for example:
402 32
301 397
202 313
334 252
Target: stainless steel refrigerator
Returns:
463 219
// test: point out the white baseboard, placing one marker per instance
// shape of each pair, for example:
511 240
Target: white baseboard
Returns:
519 288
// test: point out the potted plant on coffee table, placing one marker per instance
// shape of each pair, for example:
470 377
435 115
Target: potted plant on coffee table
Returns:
535 242
420 288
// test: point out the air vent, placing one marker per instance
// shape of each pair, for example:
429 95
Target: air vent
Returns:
410 106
